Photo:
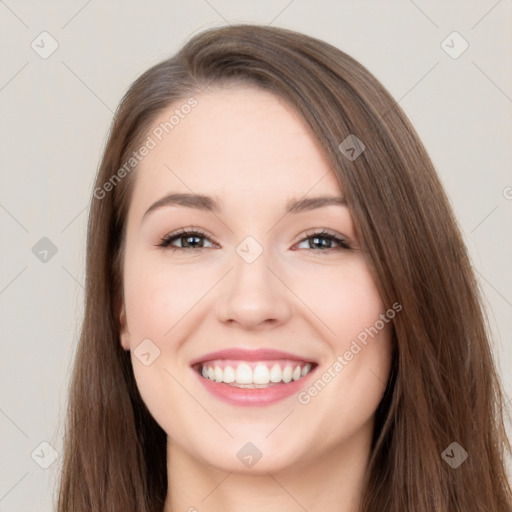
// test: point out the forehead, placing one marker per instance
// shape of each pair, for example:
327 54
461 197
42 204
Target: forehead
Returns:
239 143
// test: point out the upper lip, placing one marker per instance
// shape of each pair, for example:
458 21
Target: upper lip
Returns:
261 354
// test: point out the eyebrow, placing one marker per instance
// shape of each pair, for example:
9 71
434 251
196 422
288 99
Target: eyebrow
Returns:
209 204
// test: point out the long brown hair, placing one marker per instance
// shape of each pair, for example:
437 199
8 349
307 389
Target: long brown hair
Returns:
443 386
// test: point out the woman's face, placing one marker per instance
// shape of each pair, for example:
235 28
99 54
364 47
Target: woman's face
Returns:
286 324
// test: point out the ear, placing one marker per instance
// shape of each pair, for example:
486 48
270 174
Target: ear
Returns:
124 335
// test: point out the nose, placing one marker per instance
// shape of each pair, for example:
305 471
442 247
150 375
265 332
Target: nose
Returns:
252 296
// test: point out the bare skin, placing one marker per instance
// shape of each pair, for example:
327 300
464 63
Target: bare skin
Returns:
304 294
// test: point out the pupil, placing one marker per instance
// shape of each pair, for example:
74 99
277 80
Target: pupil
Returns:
318 240
322 242
189 238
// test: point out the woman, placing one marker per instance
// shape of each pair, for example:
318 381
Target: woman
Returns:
280 311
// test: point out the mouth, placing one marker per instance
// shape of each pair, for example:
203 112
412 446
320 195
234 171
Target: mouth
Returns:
254 374
253 377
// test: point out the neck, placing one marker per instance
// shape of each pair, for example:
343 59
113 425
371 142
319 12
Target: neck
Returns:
331 481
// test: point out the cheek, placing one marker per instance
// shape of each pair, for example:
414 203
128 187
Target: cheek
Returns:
355 371
344 298
157 296
161 394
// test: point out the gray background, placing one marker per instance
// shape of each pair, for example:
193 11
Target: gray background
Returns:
55 116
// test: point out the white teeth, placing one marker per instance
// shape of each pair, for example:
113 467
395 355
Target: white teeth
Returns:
242 375
229 375
276 374
305 370
261 374
218 374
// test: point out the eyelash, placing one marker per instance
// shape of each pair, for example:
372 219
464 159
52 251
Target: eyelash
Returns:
166 241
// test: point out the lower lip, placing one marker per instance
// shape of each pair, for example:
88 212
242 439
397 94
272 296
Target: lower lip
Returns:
256 396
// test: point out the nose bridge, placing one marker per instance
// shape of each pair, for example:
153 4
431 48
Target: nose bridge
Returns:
252 294
251 267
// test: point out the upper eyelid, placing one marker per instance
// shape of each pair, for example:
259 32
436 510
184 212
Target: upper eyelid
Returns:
321 232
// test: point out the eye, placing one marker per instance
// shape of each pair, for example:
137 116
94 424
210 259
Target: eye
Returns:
188 239
324 241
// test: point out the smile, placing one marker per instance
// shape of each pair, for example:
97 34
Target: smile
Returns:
252 377
261 374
